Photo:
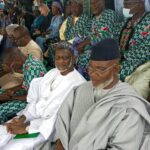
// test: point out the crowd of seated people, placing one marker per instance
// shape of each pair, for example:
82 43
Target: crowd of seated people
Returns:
61 67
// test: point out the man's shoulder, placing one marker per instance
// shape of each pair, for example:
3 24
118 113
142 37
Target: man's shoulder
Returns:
110 14
34 50
50 72
109 11
127 96
75 75
84 87
34 46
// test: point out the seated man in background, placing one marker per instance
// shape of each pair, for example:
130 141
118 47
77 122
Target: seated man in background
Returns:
14 99
53 29
134 40
78 23
6 48
103 25
27 47
67 12
14 85
103 113
37 21
25 43
44 99
44 10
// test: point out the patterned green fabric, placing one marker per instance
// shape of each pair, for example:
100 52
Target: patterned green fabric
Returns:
101 28
9 109
139 48
125 36
33 68
134 58
20 92
87 7
82 25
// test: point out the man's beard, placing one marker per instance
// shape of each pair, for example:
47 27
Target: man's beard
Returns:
69 66
105 84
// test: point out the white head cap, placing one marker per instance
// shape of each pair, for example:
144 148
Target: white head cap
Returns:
10 28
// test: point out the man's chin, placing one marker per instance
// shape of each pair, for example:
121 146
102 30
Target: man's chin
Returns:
94 83
62 70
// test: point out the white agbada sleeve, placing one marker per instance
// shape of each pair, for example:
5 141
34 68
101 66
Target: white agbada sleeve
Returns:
34 94
129 133
32 98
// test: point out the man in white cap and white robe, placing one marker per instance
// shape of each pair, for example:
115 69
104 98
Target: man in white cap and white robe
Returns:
44 99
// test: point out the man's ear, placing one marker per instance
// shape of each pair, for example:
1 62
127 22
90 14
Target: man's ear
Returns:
117 68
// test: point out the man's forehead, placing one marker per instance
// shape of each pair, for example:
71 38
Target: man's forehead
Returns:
16 33
63 52
101 63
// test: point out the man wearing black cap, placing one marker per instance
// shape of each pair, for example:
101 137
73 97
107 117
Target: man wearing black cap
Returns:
103 113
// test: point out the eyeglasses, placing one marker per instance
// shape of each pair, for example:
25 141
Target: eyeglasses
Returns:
98 70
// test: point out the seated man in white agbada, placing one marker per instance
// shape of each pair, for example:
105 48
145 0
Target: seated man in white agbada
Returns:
44 99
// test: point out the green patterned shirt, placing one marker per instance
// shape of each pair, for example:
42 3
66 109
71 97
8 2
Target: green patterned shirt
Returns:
138 51
82 25
33 68
103 27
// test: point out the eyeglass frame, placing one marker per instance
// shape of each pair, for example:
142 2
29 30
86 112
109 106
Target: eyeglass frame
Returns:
99 71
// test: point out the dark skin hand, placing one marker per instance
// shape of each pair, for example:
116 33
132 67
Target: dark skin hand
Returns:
81 46
8 95
37 32
2 73
17 125
21 98
19 120
11 66
16 129
4 97
59 145
5 69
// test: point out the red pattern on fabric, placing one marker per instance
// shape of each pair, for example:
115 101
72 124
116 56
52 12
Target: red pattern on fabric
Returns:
133 43
144 33
105 28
